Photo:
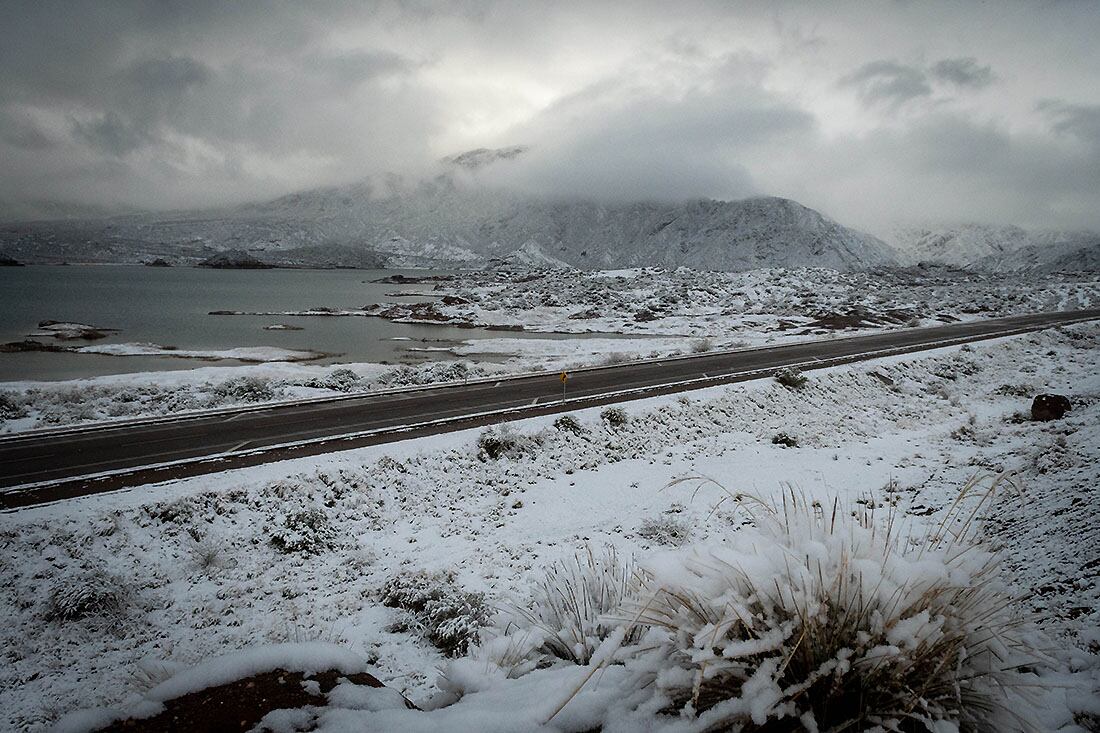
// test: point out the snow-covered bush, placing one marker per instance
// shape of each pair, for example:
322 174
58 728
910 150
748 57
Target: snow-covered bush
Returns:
11 406
246 389
447 616
574 606
701 345
665 530
825 619
785 440
340 380
87 592
435 372
501 441
307 531
615 417
791 377
570 424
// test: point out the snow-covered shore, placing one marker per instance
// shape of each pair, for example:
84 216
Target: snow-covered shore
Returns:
213 564
645 313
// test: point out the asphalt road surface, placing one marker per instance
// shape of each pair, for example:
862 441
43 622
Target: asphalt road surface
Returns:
65 463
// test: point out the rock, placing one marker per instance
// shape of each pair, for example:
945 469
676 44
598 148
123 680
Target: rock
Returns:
234 259
1047 407
158 262
9 262
242 704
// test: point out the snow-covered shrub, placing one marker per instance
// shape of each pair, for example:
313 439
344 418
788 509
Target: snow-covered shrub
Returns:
307 531
12 407
246 389
340 380
501 441
87 592
701 345
568 423
785 440
822 618
791 378
665 530
442 371
615 417
448 616
574 606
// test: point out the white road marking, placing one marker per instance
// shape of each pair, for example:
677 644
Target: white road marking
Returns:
497 384
237 447
535 401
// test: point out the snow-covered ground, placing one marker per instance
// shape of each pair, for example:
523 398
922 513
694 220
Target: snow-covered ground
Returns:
650 312
301 550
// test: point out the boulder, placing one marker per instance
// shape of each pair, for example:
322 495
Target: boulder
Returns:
1049 407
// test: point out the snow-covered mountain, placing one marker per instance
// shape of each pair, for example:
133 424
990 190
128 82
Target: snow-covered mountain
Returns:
452 221
994 248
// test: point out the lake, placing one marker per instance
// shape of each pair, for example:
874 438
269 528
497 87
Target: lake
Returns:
170 306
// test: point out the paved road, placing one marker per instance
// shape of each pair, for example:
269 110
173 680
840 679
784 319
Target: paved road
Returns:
62 464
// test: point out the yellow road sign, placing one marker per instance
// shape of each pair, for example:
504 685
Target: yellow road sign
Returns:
564 376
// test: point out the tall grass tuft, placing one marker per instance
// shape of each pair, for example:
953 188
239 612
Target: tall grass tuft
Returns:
575 605
827 619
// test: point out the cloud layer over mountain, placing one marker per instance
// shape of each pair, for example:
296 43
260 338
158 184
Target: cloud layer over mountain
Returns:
871 113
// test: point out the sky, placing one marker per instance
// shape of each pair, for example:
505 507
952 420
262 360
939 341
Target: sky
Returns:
876 113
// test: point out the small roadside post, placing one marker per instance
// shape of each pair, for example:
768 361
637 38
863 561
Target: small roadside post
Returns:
564 378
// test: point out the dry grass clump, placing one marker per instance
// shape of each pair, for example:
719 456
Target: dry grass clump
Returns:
87 592
615 417
826 619
574 606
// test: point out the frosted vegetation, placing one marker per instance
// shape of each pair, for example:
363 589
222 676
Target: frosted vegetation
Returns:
599 578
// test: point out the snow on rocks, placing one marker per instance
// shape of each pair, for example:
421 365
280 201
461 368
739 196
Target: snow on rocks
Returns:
204 577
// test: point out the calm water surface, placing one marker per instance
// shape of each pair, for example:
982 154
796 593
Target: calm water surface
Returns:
170 306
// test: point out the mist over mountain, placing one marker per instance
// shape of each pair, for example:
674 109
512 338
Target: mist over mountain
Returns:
453 220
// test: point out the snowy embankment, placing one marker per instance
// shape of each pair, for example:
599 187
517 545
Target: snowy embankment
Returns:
107 596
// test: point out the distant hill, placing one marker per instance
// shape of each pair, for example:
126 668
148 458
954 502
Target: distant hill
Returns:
451 222
993 248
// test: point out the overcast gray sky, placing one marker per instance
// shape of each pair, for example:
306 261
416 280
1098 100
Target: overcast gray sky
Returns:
874 113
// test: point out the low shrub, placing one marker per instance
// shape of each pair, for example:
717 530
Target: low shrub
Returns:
341 380
701 345
501 441
448 617
11 406
787 441
246 389
615 417
568 424
665 530
791 378
307 531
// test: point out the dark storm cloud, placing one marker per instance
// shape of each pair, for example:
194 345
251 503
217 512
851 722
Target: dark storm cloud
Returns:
888 82
963 72
1081 121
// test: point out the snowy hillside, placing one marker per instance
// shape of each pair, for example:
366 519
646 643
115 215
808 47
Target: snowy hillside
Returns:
1000 248
454 221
